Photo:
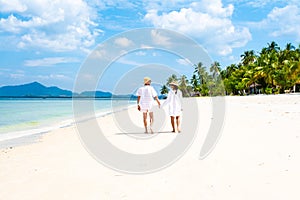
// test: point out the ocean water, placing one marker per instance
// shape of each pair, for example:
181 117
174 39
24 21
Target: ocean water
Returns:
22 117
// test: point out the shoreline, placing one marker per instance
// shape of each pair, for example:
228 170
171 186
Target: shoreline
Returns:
32 135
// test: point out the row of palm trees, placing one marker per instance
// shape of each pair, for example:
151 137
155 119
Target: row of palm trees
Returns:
272 70
202 83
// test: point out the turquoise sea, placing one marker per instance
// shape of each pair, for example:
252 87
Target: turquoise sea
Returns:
21 117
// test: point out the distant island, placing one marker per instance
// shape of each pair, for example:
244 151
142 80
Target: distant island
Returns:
37 90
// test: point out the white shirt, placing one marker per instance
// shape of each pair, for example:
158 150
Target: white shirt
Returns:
147 93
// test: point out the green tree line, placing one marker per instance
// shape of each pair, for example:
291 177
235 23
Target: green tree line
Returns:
270 71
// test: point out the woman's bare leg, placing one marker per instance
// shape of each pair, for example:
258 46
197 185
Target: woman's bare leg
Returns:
178 123
173 124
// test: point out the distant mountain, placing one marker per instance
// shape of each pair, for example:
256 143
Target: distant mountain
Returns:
97 94
34 89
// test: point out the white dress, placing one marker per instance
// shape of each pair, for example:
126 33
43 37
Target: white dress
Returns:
147 94
174 101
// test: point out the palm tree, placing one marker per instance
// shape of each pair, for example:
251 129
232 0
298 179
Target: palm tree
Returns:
250 77
227 72
273 47
248 57
215 69
172 78
286 66
289 47
227 77
200 71
274 69
195 84
288 53
183 86
164 90
268 63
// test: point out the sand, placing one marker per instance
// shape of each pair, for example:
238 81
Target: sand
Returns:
256 157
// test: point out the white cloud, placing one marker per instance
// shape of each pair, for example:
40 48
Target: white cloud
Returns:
263 3
45 62
103 54
52 79
12 5
140 53
160 39
60 77
98 54
282 22
61 25
145 46
165 5
184 61
123 42
17 76
208 21
126 61
213 8
103 4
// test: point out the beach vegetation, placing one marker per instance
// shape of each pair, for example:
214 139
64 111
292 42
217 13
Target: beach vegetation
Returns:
271 70
164 90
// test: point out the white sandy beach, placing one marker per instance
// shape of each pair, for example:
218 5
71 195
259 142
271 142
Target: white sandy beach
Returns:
256 157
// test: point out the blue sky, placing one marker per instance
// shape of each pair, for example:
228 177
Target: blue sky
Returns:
48 41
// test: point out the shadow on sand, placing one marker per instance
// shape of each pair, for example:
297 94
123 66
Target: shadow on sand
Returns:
142 133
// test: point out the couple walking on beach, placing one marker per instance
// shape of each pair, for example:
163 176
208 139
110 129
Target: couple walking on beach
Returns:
146 95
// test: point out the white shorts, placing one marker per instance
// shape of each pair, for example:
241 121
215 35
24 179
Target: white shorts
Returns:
146 110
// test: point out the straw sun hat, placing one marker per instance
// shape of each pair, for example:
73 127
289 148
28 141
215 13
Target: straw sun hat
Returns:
174 83
147 79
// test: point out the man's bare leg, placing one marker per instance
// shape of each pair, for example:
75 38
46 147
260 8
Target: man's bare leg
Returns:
151 120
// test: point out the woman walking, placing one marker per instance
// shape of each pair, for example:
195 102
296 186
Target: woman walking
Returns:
174 100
